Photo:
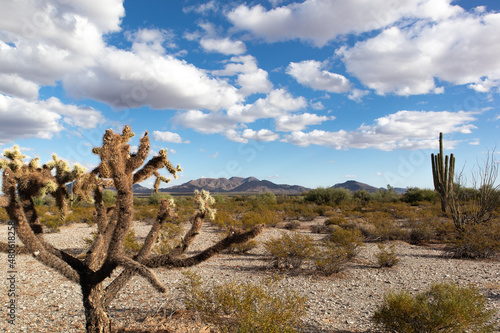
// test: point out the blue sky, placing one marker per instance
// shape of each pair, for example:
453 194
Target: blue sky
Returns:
311 92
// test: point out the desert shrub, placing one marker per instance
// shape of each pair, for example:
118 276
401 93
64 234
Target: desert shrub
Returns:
52 222
81 214
264 216
414 195
39 201
321 229
386 227
4 217
421 233
145 213
293 225
336 220
267 198
363 196
140 201
245 307
131 244
242 248
348 240
219 198
109 197
296 210
155 198
476 205
224 220
477 241
290 250
386 257
168 238
328 196
330 258
445 307
388 195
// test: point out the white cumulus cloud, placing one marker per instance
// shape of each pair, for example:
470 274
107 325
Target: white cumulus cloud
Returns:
223 45
407 60
264 135
168 137
289 123
320 21
310 74
41 119
401 130
250 77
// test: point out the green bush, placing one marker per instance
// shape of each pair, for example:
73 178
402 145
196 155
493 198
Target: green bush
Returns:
445 307
109 197
145 213
477 241
155 198
386 257
290 250
414 195
131 244
348 240
388 195
168 238
4 217
331 258
263 216
328 196
80 214
245 307
336 220
363 196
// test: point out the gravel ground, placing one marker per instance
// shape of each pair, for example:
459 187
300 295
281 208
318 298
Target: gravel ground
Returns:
46 302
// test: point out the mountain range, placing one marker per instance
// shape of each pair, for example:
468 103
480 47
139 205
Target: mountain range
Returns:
250 185
235 185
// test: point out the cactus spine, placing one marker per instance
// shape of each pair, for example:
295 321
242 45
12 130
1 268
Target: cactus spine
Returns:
443 172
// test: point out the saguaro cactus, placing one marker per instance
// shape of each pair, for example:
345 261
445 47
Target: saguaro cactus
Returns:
443 172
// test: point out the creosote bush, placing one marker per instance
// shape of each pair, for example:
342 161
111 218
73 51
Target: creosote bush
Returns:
445 307
386 257
348 240
330 258
245 307
290 250
476 241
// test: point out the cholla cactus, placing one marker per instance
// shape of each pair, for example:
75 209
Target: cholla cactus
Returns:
204 200
121 169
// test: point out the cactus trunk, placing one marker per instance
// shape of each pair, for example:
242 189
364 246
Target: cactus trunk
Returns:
443 173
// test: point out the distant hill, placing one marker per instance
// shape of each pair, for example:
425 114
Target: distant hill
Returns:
354 186
140 189
235 185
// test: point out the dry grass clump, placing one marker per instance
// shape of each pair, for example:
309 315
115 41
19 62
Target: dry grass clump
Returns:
329 256
386 257
245 307
445 307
